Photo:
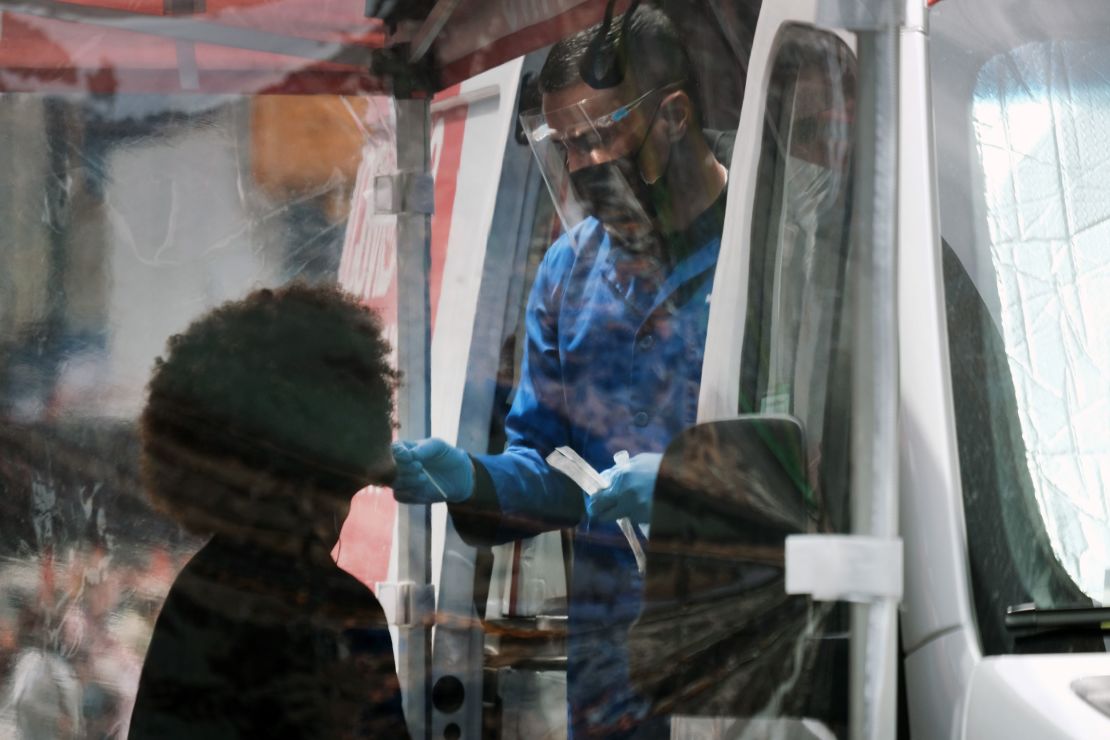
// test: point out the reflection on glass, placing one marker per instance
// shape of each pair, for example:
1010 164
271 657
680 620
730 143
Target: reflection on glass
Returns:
719 638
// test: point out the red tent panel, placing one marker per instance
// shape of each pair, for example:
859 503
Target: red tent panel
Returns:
44 54
252 46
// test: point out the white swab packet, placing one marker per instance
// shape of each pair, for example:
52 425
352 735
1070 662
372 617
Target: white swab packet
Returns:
570 463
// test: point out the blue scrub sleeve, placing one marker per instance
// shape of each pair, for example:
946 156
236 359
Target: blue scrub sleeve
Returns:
517 494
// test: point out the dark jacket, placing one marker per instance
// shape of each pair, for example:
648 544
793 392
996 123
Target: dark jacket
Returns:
253 645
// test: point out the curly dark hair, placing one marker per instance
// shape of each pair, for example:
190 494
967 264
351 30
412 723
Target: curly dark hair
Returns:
288 392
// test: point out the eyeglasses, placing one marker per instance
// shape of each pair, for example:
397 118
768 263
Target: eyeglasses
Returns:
600 133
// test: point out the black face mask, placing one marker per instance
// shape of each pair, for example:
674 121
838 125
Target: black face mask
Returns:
616 195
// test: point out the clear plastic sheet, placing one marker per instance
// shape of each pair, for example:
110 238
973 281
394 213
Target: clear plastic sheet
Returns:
125 218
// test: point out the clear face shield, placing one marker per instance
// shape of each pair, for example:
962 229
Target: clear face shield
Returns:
589 154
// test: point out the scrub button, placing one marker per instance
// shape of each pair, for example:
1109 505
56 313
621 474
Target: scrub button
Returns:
647 342
640 419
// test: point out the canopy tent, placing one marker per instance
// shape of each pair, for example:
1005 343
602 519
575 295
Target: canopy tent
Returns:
269 46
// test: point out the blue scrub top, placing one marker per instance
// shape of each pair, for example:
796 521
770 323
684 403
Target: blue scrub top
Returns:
612 361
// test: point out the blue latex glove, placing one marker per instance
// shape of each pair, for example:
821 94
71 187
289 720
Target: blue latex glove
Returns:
629 492
430 471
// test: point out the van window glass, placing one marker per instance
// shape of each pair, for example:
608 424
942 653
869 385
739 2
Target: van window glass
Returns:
1040 117
1023 117
798 330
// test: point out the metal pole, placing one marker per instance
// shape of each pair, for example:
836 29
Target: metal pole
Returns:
413 409
458 657
875 374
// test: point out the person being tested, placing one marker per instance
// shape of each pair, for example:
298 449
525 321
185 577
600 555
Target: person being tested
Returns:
261 423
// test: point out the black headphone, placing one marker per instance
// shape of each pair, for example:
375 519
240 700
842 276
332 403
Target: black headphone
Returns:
604 63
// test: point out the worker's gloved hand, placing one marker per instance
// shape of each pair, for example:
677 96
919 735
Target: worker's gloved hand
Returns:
629 492
430 471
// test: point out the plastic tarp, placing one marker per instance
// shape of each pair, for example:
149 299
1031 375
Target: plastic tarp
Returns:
126 218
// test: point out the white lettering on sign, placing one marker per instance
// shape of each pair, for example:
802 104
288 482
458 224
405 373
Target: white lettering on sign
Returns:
368 266
381 259
436 144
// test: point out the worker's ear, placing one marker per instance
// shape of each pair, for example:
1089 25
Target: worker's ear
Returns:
677 112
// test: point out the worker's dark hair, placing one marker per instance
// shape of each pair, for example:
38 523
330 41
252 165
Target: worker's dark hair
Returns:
288 392
650 51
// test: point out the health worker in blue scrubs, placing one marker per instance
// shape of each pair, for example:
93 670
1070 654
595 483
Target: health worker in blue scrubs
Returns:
615 335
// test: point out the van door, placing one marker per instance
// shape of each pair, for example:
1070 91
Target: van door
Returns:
411 556
783 342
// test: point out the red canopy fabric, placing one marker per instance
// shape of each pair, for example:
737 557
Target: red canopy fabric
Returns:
256 46
114 46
